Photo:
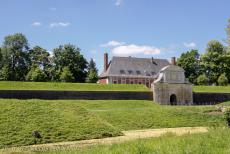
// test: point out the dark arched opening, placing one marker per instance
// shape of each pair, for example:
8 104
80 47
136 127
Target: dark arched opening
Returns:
173 100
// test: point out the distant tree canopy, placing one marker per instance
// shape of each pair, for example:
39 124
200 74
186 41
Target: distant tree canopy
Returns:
214 64
19 62
228 34
190 62
92 75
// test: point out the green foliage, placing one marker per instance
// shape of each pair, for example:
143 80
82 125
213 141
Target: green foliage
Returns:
228 33
36 74
214 61
66 75
70 56
202 80
5 73
14 56
189 61
223 80
227 117
92 75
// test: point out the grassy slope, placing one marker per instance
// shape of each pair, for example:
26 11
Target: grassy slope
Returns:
57 121
11 85
75 120
214 142
214 89
127 115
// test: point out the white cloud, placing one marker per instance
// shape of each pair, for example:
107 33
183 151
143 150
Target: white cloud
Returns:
190 45
119 2
132 49
36 24
59 24
112 44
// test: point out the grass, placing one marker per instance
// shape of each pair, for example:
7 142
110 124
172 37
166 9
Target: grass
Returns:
83 119
213 89
216 141
13 85
56 121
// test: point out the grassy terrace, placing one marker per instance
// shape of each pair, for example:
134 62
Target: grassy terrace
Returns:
82 119
216 141
214 89
10 85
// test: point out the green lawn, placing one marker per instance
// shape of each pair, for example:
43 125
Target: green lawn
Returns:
216 141
11 85
214 89
83 119
55 120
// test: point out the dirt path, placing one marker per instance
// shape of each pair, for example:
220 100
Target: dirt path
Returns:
128 135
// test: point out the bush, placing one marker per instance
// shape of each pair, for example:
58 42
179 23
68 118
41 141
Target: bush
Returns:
227 117
222 80
66 75
36 74
202 80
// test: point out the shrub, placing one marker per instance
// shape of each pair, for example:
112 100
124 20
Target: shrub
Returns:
222 80
202 80
66 75
36 74
227 117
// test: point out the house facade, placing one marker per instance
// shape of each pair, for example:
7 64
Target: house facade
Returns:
131 70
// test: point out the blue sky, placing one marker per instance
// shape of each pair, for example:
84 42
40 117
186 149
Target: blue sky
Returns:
142 28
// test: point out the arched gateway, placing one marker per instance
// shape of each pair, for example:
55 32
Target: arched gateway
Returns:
173 100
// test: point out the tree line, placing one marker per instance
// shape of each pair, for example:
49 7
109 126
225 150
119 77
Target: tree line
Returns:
210 68
19 62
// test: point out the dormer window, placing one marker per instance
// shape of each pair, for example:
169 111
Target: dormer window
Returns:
122 71
153 73
130 71
138 72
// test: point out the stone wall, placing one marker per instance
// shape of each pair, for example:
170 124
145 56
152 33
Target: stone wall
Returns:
88 95
210 98
164 91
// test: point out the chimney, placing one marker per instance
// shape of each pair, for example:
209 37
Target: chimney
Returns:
173 60
105 61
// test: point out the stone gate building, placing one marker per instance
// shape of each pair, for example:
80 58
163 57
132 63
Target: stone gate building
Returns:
171 87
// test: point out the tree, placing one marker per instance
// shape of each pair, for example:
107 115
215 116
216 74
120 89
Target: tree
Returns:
70 56
66 75
228 34
5 73
202 80
41 58
213 62
14 56
189 61
222 80
36 74
92 75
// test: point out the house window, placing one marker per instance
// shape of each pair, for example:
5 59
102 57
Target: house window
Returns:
130 71
153 73
115 82
122 71
138 72
119 81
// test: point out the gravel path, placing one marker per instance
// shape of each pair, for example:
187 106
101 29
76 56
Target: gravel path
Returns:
128 135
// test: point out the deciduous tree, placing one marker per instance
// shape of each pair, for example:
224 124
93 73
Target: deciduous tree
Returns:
92 75
14 56
189 61
69 56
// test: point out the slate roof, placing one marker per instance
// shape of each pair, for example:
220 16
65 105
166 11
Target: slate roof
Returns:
135 67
